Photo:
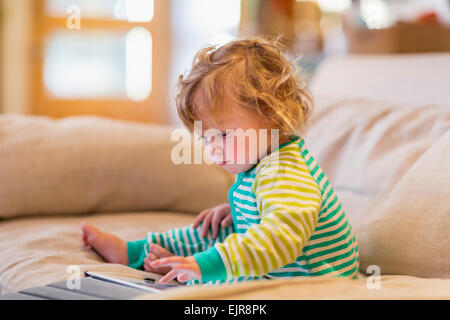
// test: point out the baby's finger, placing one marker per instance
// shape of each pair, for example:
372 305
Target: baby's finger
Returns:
171 261
169 276
215 226
200 218
183 277
159 251
227 221
206 225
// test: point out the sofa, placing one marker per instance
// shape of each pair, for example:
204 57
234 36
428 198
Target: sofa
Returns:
380 131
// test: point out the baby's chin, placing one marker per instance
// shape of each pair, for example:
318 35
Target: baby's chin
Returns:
237 168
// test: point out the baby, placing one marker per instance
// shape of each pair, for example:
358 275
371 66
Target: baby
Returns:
283 218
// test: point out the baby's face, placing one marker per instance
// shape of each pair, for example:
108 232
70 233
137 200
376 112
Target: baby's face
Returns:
238 142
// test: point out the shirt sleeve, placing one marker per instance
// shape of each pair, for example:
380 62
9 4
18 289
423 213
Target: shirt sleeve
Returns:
289 201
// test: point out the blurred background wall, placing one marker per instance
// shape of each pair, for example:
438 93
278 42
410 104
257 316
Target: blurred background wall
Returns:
121 58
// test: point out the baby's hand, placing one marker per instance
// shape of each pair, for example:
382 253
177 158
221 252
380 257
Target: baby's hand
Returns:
219 215
156 252
183 268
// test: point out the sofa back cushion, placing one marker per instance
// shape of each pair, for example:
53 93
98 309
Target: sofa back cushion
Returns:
86 164
390 166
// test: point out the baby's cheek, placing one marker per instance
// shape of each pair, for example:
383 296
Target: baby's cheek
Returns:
231 151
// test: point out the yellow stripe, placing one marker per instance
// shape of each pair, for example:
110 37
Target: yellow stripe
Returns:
261 256
257 271
287 195
296 230
282 238
265 181
285 206
278 166
233 256
241 254
275 244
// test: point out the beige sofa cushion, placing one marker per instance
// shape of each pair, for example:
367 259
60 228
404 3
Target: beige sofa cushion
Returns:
37 251
390 166
90 164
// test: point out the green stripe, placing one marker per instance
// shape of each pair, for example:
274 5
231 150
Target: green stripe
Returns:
332 223
335 249
336 268
331 233
334 259
327 243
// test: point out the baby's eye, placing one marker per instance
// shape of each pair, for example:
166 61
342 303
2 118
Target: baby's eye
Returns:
226 135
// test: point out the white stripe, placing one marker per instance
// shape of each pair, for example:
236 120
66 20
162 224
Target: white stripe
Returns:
330 198
250 180
177 237
186 241
245 206
308 197
279 184
194 239
245 197
223 252
334 264
329 238
244 188
283 208
246 216
328 212
251 267
316 175
291 269
298 203
281 165
332 227
233 247
274 231
254 247
331 246
331 255
288 235
303 226
271 246
288 173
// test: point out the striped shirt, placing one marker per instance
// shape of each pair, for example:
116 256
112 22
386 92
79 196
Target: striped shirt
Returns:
287 222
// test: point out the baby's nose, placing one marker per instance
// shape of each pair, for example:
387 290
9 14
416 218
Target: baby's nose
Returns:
216 153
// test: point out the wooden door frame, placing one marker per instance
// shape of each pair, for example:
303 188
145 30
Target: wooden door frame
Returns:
153 109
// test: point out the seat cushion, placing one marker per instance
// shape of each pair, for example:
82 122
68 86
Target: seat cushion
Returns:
37 251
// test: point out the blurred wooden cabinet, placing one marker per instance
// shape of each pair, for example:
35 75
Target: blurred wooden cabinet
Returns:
97 57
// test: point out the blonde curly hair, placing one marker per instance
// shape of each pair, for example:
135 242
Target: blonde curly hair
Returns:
252 74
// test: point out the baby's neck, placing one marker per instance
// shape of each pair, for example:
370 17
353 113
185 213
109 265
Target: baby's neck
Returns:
281 140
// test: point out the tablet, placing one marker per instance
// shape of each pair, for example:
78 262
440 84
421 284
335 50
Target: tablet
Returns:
148 284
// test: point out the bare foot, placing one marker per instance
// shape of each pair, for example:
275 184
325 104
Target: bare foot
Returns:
157 252
110 247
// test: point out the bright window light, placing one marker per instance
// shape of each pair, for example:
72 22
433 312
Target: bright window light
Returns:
140 10
376 14
134 10
215 15
332 5
138 64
